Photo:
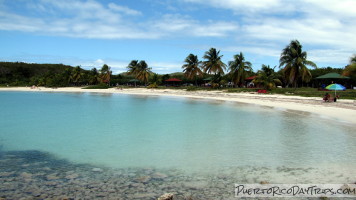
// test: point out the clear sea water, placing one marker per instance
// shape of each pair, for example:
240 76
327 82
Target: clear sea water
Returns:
123 131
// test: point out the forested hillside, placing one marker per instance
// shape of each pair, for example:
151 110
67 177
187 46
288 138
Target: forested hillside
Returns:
19 73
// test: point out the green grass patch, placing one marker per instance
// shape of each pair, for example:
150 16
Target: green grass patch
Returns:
232 90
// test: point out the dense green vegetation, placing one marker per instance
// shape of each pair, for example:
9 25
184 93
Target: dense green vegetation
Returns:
20 74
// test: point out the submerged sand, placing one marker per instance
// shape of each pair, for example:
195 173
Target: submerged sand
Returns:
343 110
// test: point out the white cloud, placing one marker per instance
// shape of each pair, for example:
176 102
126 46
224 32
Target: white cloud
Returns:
255 49
337 56
344 8
15 22
325 27
187 26
99 63
246 7
88 19
123 9
165 67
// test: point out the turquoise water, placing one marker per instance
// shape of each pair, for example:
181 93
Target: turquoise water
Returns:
122 131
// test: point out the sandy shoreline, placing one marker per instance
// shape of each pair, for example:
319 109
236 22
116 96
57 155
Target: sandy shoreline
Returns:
344 110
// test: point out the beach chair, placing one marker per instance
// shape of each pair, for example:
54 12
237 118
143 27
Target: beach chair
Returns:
262 91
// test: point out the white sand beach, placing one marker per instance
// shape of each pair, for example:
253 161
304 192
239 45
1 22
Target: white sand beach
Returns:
343 110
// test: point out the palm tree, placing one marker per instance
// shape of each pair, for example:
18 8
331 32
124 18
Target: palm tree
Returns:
213 63
105 74
140 70
239 68
267 77
133 67
76 75
295 62
143 71
192 67
94 76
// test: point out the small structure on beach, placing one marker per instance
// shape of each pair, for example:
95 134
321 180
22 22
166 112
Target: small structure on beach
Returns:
173 81
330 78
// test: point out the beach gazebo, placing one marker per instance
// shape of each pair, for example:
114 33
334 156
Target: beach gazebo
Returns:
331 78
173 81
250 78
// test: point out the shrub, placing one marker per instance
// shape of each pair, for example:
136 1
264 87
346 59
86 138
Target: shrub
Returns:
152 85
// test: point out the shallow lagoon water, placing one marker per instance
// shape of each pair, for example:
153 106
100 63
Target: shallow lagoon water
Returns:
245 142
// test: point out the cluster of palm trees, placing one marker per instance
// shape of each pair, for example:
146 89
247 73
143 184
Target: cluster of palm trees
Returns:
293 60
140 70
213 64
77 75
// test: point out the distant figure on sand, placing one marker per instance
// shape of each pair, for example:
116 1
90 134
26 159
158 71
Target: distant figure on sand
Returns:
326 97
336 97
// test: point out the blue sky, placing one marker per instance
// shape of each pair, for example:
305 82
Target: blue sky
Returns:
90 33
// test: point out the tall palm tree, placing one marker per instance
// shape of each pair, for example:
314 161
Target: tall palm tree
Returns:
140 70
295 62
143 71
213 63
191 68
133 67
105 74
239 68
